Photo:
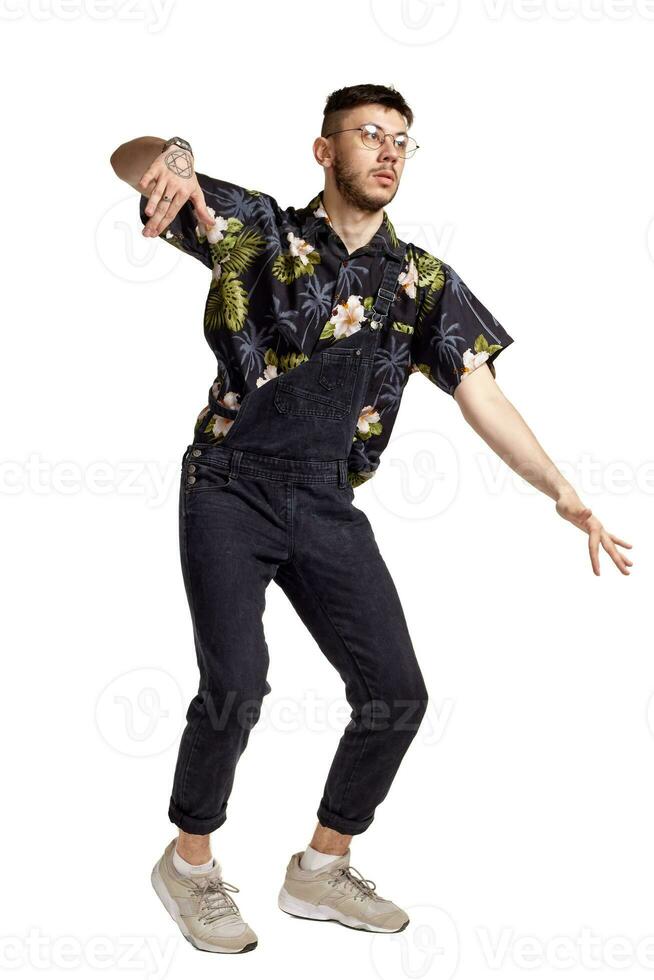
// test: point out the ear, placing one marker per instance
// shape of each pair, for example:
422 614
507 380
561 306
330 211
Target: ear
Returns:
322 152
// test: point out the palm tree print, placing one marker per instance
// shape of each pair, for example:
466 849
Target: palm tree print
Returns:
250 346
282 319
463 294
316 302
351 278
391 363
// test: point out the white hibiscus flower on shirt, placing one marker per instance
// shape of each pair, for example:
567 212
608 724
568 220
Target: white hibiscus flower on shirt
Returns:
299 248
321 213
347 317
472 361
220 424
369 415
269 373
409 279
215 232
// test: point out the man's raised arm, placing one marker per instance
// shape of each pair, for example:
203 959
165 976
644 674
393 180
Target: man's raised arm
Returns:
157 175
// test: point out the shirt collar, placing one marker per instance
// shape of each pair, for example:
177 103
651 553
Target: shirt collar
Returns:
316 220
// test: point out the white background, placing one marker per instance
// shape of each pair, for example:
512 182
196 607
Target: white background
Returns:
523 810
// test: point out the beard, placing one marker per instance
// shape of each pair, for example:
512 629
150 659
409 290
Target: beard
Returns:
350 186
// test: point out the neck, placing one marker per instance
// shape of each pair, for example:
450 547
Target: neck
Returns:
353 226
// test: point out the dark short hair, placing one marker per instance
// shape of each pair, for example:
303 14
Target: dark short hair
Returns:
344 99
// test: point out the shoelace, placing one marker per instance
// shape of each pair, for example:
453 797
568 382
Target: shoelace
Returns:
214 900
365 886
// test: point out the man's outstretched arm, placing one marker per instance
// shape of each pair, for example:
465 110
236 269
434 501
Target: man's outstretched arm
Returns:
487 410
156 174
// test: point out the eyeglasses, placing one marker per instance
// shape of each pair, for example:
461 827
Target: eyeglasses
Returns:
373 137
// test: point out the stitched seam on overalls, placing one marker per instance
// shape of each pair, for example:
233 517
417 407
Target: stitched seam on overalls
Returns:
198 719
319 463
329 403
196 736
365 683
312 395
290 500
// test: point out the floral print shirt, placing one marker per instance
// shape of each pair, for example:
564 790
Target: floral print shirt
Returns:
283 288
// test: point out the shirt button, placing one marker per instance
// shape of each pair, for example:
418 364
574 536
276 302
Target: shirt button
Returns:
192 468
191 479
196 452
357 351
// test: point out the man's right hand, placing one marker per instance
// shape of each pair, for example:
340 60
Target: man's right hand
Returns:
171 175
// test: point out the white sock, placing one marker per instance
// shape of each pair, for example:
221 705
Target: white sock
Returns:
185 868
311 860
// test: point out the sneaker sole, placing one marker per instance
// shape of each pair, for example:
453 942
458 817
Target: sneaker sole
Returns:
323 913
172 908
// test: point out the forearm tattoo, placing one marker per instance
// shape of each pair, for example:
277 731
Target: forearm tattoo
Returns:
180 163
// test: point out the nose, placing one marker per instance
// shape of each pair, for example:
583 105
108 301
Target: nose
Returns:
389 150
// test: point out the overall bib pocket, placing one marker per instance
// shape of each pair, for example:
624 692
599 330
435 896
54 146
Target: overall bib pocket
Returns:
333 369
321 387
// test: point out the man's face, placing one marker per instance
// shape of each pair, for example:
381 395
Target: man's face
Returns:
367 178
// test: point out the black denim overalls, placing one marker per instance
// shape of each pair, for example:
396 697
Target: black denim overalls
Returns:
272 501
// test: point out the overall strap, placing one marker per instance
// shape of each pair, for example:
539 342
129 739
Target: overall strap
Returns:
376 316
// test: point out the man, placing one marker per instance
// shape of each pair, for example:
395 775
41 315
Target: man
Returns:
317 317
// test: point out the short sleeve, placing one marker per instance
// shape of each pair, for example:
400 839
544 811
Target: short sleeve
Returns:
454 332
225 201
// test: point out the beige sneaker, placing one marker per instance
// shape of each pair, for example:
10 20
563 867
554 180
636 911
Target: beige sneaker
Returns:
201 906
338 892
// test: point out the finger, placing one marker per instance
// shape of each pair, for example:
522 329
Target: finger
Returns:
593 548
199 204
174 207
156 195
149 177
156 207
623 544
624 558
618 559
161 215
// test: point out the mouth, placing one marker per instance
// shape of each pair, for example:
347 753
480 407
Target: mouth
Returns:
385 178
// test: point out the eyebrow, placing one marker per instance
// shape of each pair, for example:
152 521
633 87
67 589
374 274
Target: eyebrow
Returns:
398 132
